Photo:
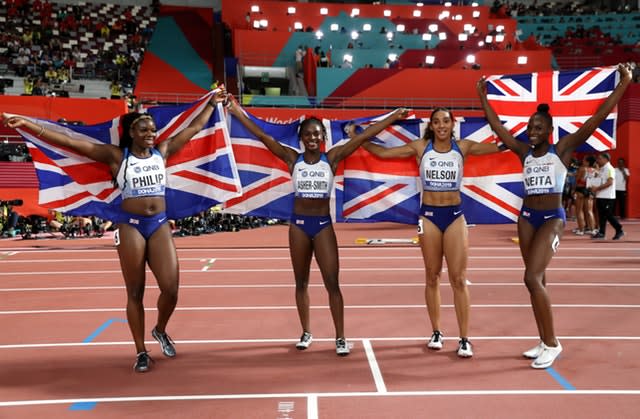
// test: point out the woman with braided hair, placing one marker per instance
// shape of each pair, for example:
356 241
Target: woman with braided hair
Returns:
143 235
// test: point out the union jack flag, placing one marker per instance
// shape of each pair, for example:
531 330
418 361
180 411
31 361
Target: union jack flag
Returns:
374 189
573 97
265 179
364 189
369 189
200 176
492 186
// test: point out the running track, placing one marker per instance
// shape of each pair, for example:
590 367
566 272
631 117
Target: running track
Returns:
66 351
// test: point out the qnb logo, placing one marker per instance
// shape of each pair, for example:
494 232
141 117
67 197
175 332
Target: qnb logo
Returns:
442 163
313 173
538 169
149 168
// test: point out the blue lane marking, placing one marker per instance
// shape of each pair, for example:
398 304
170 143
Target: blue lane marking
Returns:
88 339
560 379
83 406
101 329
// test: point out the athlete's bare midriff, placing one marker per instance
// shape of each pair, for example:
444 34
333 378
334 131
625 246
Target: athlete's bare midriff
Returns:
441 199
543 202
311 206
147 206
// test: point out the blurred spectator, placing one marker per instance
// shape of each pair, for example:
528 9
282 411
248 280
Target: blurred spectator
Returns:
116 89
324 60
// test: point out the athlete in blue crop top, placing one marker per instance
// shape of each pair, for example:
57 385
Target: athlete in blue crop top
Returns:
143 235
311 231
542 217
442 228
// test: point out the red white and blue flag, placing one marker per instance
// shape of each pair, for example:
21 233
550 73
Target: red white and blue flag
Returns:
374 189
364 188
370 189
492 187
225 163
573 97
265 179
201 175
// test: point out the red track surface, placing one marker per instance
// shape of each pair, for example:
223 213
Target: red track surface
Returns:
66 351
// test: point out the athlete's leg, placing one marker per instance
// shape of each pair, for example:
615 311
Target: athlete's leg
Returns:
538 247
326 250
132 254
431 246
300 250
525 237
590 214
580 211
163 261
456 247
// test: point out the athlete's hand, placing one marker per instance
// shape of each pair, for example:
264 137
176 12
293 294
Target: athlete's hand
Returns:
13 121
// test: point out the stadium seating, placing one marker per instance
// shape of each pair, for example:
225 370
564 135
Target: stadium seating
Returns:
586 40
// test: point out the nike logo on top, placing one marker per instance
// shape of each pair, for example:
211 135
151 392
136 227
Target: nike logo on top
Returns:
323 222
456 212
546 217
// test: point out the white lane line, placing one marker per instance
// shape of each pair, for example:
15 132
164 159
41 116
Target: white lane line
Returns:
289 341
343 285
286 258
312 406
608 247
202 397
373 269
373 365
272 308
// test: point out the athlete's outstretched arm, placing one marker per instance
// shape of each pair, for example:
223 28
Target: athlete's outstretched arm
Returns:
398 152
514 145
567 144
175 143
356 140
475 148
104 153
285 154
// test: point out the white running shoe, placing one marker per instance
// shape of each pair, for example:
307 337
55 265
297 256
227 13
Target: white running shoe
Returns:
305 341
546 358
436 340
464 348
534 352
342 348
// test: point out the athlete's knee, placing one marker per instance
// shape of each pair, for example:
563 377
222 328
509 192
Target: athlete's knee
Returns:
135 292
534 281
332 286
433 278
458 282
302 284
170 292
